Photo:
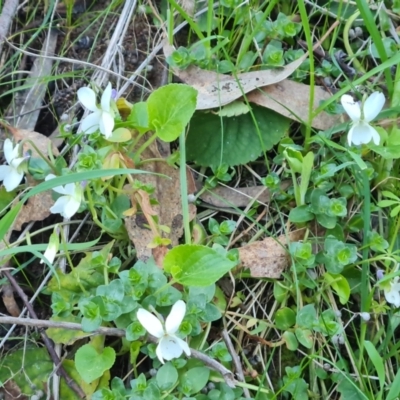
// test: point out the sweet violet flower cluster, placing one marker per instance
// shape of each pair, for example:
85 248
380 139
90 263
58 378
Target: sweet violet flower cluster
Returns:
361 115
169 344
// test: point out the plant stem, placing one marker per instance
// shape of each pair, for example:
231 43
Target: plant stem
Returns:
183 186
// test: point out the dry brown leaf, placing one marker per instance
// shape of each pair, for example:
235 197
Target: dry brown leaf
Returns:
40 141
268 258
12 391
223 196
37 208
215 90
169 209
292 99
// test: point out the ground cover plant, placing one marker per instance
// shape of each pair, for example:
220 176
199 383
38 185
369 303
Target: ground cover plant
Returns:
199 200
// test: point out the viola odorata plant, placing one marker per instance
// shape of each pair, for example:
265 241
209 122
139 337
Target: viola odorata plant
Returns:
361 114
169 344
69 201
13 173
102 116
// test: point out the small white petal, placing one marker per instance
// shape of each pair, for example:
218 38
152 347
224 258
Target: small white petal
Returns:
351 107
8 151
362 133
375 135
60 205
49 254
106 124
88 98
169 348
373 106
185 347
49 176
15 152
159 354
393 297
16 162
175 317
90 123
71 207
150 322
106 98
70 189
13 179
60 190
4 171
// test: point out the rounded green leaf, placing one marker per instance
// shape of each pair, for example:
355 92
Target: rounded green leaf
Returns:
167 376
213 140
92 365
307 316
170 108
290 339
340 285
304 336
120 135
285 318
195 265
196 378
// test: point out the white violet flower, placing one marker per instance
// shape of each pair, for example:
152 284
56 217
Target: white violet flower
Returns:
361 131
52 247
102 118
13 173
169 345
68 204
392 292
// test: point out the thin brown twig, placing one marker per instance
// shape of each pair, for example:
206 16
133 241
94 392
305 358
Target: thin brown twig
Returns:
215 365
56 360
236 361
64 325
208 361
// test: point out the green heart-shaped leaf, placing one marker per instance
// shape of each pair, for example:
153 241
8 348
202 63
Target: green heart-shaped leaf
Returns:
92 365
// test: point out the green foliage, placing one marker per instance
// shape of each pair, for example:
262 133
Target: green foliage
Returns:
285 318
91 364
29 370
180 58
167 376
294 384
273 54
214 140
389 45
337 255
221 231
170 109
194 265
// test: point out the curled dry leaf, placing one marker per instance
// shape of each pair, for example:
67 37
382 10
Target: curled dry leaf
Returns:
292 99
269 257
215 90
168 210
